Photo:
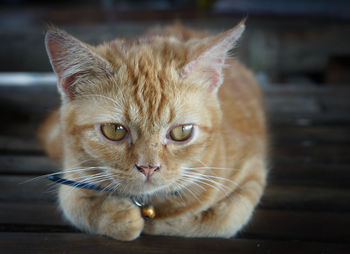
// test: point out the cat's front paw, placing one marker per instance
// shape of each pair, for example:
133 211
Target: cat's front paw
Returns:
120 219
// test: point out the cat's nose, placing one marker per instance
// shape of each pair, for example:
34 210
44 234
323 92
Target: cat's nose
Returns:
147 170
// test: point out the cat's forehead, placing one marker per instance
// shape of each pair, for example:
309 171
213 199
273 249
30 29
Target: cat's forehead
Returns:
147 55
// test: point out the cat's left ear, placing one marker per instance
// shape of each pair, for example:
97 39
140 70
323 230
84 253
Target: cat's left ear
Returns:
210 55
75 63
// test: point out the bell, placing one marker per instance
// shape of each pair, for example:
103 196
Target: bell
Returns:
148 211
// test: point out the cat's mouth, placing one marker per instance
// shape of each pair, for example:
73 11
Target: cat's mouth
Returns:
147 187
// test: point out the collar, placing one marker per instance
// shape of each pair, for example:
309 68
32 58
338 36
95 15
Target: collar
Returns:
147 210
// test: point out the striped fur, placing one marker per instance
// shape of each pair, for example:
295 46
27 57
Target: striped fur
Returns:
208 186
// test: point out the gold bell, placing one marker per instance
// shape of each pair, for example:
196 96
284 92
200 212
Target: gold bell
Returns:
148 211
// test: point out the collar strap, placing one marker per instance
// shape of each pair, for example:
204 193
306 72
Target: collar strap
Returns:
82 185
147 211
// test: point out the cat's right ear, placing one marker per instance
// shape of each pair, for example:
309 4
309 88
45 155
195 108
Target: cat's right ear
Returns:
73 61
209 55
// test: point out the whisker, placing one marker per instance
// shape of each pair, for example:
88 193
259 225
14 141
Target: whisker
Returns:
211 168
218 184
217 177
210 182
206 166
115 188
187 188
178 187
195 179
88 177
201 162
202 181
71 170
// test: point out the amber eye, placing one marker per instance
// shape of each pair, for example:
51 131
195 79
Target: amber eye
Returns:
181 133
114 132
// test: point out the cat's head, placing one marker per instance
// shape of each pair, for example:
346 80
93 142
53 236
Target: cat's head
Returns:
141 111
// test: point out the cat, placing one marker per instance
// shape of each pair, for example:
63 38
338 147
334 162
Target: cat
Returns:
168 118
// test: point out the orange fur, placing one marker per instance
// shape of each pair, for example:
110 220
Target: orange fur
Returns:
50 136
151 84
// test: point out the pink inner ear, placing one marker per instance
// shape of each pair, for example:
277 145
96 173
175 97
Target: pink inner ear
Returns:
56 53
211 70
216 79
210 62
212 73
188 68
66 83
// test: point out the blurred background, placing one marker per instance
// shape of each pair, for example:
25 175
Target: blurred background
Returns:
298 42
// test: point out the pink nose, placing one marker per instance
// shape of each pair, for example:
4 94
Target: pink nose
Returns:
147 170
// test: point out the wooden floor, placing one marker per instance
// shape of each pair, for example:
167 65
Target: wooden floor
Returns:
305 209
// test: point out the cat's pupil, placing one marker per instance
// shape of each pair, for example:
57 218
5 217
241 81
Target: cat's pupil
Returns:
181 133
118 128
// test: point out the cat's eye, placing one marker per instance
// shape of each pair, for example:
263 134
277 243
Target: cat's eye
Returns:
181 133
114 132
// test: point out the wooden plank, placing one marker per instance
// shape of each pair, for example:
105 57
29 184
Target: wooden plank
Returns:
310 134
22 104
24 130
306 199
292 104
320 153
309 119
13 243
27 189
20 137
340 104
266 42
28 145
22 164
266 224
291 90
309 174
320 99
320 226
286 197
43 214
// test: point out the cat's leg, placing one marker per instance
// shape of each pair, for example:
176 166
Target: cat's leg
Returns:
101 214
223 219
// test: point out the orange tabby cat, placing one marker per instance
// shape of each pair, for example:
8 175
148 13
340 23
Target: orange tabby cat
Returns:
168 119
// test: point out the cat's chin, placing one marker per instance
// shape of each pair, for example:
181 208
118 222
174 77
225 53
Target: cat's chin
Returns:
147 188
